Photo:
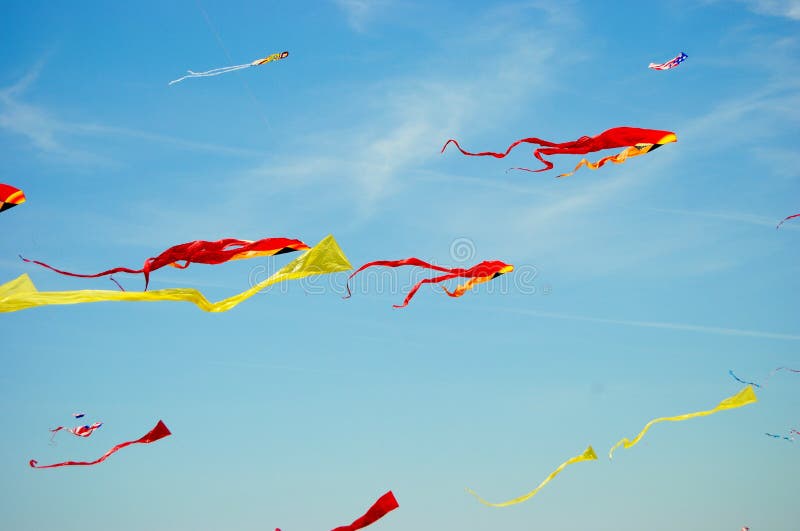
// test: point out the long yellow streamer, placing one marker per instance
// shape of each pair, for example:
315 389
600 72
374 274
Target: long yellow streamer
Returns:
325 257
587 455
742 398
619 158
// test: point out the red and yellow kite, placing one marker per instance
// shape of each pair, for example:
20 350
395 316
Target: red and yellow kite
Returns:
636 142
10 197
478 274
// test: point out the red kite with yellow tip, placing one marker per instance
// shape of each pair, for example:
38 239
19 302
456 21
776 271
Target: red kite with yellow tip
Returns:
10 197
478 274
636 142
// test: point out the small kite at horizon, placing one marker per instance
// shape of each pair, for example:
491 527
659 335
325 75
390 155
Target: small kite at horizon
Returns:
325 257
787 218
587 455
199 252
742 398
78 415
478 274
157 433
636 142
79 431
789 438
384 505
10 197
672 63
226 69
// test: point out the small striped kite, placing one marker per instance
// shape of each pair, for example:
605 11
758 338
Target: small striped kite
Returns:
672 63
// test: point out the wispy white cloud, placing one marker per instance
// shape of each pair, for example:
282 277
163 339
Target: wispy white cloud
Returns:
360 12
654 324
779 8
739 217
52 136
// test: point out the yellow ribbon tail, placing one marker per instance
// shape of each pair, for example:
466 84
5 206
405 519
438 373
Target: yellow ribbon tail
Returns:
325 257
587 455
742 398
619 158
465 287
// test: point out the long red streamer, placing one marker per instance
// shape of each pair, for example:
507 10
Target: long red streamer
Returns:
787 219
199 252
159 432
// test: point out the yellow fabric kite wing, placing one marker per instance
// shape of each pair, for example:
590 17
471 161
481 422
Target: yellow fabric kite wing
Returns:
325 257
587 455
742 398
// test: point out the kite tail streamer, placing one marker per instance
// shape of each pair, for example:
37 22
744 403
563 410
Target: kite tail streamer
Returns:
434 280
463 288
531 140
619 158
158 432
730 371
211 73
742 398
384 505
396 263
587 455
790 439
95 275
774 371
787 219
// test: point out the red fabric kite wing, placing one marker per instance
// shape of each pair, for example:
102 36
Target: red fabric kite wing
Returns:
637 141
200 252
158 432
10 197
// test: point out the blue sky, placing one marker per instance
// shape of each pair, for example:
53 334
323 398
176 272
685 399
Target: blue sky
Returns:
637 286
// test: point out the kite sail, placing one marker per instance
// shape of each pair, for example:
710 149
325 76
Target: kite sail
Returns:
779 224
385 504
78 415
80 431
672 63
226 69
587 455
742 398
199 252
158 432
636 142
478 274
10 197
325 257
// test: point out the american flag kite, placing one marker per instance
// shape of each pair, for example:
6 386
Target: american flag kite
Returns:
80 431
672 63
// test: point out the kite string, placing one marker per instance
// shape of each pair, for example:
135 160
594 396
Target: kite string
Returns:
211 73
258 105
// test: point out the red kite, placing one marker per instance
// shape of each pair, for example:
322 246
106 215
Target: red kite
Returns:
478 274
635 141
10 197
